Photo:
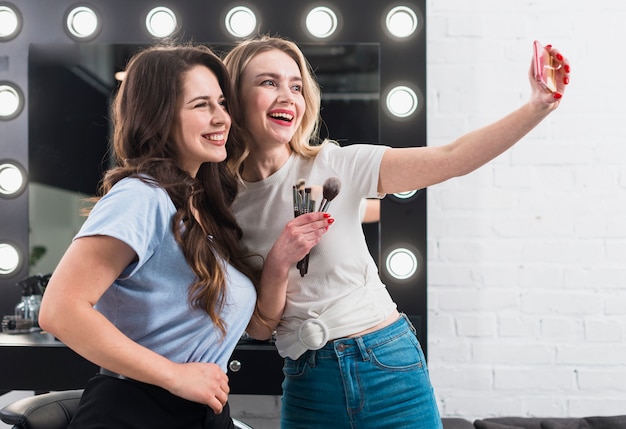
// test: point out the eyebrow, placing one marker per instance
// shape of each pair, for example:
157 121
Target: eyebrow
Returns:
204 98
276 76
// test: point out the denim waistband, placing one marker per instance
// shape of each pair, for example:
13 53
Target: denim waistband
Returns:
359 345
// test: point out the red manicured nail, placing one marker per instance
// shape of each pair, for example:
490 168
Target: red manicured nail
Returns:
567 68
331 220
326 215
548 46
557 95
566 80
559 57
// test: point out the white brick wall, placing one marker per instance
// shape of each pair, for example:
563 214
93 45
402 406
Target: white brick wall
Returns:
527 256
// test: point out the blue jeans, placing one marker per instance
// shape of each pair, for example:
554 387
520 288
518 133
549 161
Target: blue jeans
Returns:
376 381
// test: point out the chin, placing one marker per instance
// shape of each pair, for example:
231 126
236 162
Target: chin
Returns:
218 156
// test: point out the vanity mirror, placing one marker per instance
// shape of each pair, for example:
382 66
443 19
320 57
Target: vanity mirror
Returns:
68 144
375 55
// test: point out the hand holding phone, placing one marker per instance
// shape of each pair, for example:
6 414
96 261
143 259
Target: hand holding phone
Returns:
544 68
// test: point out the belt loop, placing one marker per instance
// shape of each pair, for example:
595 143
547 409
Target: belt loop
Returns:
408 321
361 344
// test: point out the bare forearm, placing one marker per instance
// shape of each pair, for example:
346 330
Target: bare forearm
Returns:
296 240
270 300
99 341
85 272
478 147
404 169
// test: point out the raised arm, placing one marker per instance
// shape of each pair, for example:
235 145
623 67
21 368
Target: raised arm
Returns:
405 169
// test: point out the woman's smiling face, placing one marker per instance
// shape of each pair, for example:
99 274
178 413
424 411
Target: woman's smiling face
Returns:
271 94
202 122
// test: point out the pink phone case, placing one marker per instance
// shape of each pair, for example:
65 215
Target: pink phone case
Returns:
544 70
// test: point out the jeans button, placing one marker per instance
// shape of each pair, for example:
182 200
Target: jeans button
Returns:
341 347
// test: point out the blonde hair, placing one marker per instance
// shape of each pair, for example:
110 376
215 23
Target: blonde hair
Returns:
306 141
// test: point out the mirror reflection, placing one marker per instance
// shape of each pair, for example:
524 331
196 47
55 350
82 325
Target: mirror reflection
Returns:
70 88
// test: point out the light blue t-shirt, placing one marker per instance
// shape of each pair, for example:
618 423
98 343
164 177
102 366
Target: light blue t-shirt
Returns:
149 302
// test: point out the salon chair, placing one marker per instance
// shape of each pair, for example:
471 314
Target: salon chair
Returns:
51 410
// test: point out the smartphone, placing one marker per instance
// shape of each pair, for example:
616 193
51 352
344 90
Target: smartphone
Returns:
544 67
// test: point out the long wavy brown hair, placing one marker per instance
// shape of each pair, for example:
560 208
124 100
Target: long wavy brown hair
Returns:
143 116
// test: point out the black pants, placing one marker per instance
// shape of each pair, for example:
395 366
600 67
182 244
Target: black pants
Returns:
111 403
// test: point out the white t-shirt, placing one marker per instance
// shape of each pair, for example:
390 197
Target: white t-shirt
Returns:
342 292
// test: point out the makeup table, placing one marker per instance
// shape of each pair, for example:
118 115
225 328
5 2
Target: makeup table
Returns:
37 361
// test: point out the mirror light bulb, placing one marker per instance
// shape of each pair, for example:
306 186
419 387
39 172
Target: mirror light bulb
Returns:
240 21
401 22
10 101
321 22
9 22
11 179
402 101
82 22
401 263
405 195
9 259
161 22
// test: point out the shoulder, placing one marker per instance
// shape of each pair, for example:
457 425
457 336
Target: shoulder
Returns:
135 192
351 155
132 210
145 187
333 149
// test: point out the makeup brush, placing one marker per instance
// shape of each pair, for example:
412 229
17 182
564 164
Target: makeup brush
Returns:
307 201
296 202
300 184
300 194
331 188
298 197
308 206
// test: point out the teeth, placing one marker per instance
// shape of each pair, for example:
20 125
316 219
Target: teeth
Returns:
214 137
284 116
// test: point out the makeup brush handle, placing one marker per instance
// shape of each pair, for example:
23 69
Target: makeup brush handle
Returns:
324 205
305 266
